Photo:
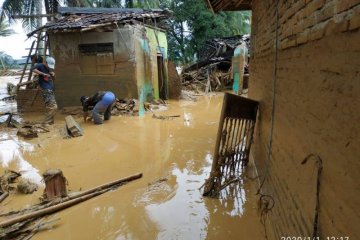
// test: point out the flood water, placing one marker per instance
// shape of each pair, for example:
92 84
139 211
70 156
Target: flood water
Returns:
166 203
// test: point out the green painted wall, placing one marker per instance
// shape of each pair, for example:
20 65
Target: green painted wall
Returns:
158 42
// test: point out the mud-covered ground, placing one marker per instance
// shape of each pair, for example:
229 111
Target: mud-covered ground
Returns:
166 203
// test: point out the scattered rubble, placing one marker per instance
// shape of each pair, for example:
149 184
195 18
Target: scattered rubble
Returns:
25 186
213 71
125 107
27 133
188 95
155 105
6 183
30 130
26 222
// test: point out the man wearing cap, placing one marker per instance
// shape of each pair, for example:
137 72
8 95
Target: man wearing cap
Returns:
46 82
100 103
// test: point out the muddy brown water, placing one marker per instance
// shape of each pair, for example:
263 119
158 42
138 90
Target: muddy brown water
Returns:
177 152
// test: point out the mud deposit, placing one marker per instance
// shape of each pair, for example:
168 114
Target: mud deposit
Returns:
174 156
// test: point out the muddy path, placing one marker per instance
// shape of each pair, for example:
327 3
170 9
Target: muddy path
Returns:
174 156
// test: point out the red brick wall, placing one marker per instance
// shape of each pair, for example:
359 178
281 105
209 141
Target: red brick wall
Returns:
316 111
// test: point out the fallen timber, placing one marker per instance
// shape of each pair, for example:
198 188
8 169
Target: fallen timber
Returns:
70 201
214 69
3 196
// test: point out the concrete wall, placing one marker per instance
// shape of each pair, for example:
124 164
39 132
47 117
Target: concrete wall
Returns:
30 100
71 82
315 91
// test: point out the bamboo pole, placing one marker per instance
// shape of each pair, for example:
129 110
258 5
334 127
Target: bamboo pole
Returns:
3 196
107 185
48 210
83 196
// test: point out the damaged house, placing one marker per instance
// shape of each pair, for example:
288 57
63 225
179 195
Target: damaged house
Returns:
121 50
223 64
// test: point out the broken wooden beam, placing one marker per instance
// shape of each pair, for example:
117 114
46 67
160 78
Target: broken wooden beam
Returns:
3 196
47 211
26 83
109 185
55 184
83 196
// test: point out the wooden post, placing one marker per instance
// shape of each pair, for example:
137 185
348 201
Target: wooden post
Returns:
55 184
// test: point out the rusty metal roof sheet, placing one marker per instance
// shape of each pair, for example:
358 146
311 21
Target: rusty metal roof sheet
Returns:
84 19
229 5
84 10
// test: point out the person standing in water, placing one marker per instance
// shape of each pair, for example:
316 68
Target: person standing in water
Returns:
46 82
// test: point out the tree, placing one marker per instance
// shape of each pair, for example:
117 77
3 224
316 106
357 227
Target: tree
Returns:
5 28
6 60
193 23
32 8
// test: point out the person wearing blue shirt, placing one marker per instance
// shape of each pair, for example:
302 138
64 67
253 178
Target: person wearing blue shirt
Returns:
46 82
100 103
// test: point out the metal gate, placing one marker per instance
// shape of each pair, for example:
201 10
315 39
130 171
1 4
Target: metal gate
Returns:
234 138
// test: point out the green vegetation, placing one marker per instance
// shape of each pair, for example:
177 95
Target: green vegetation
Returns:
7 62
191 25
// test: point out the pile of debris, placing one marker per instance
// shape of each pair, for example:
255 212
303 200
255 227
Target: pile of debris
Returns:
25 223
11 89
213 71
125 107
9 182
10 72
121 107
27 130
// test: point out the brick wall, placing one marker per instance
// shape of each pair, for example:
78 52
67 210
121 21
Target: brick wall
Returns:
316 91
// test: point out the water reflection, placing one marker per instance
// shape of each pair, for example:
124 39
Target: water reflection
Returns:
184 215
179 209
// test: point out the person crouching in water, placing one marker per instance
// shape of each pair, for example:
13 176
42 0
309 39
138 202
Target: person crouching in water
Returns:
100 103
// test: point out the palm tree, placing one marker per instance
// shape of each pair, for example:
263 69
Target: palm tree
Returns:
5 28
33 8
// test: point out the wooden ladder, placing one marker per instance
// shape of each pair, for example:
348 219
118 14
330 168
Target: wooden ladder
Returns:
34 49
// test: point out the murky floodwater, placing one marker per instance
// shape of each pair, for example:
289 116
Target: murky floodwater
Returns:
179 150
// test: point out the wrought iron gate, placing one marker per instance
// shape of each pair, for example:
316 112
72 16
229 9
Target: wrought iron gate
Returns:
234 138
